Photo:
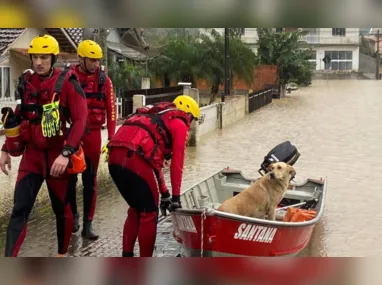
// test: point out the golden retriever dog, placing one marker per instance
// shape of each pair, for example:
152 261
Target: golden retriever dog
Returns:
261 198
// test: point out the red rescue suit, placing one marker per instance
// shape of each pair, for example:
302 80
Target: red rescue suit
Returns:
136 157
39 152
101 104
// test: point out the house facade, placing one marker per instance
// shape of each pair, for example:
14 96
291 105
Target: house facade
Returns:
342 45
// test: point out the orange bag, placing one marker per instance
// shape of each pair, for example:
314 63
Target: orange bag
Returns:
299 215
77 163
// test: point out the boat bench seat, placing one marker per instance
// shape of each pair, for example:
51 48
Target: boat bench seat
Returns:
298 195
236 185
290 194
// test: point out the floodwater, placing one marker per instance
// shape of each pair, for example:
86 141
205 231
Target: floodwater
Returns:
336 126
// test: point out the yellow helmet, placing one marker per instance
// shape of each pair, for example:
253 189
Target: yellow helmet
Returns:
45 44
188 105
90 49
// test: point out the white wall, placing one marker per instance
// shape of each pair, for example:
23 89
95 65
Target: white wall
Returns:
210 120
250 36
351 36
320 54
234 109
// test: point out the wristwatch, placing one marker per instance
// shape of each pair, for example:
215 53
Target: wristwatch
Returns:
66 153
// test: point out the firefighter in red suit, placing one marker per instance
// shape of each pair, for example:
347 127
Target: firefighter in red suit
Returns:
48 98
101 104
136 157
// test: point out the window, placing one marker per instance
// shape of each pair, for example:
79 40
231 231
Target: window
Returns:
339 32
341 60
5 82
242 30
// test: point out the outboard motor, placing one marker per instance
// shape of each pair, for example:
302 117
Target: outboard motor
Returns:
285 152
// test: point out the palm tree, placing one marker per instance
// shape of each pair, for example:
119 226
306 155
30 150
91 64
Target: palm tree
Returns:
242 59
180 60
288 52
202 57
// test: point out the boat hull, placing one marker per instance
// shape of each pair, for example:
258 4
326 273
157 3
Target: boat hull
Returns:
203 231
229 237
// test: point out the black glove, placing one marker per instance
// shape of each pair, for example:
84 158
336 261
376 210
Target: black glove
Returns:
175 203
169 204
165 203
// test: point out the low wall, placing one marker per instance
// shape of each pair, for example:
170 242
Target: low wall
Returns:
216 116
234 109
211 119
221 115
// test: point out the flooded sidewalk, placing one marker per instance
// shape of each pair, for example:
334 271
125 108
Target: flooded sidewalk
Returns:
108 222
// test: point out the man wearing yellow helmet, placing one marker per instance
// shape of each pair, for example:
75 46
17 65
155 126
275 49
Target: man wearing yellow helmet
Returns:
101 104
136 157
47 98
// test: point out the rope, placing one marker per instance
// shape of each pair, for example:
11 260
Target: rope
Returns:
202 231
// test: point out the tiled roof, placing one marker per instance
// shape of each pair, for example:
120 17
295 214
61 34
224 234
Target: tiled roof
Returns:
75 34
7 36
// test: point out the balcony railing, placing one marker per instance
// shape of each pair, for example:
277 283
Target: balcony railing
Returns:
332 40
